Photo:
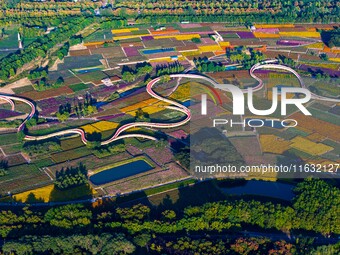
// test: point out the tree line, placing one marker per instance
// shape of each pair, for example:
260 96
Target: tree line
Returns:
314 209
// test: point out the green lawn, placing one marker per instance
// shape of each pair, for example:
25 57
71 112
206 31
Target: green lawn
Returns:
79 86
7 139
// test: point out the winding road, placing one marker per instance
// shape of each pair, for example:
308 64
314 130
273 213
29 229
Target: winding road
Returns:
267 64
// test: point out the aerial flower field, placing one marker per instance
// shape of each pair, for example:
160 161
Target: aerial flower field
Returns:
312 148
273 144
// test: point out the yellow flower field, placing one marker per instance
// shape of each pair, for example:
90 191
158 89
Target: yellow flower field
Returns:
48 193
93 43
273 144
318 45
209 48
105 125
187 37
124 30
274 25
150 106
167 59
301 34
90 129
309 147
182 93
224 44
181 37
265 35
190 53
334 59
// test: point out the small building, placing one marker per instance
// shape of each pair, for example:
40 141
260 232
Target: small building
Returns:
109 81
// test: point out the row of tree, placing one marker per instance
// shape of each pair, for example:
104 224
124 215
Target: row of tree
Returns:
170 68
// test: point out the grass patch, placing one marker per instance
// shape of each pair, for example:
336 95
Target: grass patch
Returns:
23 89
70 154
43 162
71 143
170 186
79 86
7 139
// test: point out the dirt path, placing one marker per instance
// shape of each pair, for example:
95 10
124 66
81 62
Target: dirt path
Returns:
8 89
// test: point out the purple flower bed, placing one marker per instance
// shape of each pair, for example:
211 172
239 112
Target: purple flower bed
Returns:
147 38
4 113
160 157
50 105
132 51
245 35
291 42
331 72
133 150
179 134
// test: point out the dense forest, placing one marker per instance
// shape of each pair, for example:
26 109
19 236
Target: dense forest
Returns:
77 228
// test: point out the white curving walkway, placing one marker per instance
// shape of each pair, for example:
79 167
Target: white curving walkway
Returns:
268 64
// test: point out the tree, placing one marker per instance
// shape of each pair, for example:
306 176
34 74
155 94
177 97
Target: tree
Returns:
62 117
128 77
324 56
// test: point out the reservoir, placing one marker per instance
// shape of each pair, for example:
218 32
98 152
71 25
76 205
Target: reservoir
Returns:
120 172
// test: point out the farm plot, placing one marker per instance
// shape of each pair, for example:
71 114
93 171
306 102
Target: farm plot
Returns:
6 139
109 52
307 146
39 95
54 75
132 51
22 177
84 52
92 76
71 143
251 154
273 144
70 154
100 35
319 126
77 62
50 194
79 86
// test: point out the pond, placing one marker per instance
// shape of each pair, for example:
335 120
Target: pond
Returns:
120 172
188 103
263 188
